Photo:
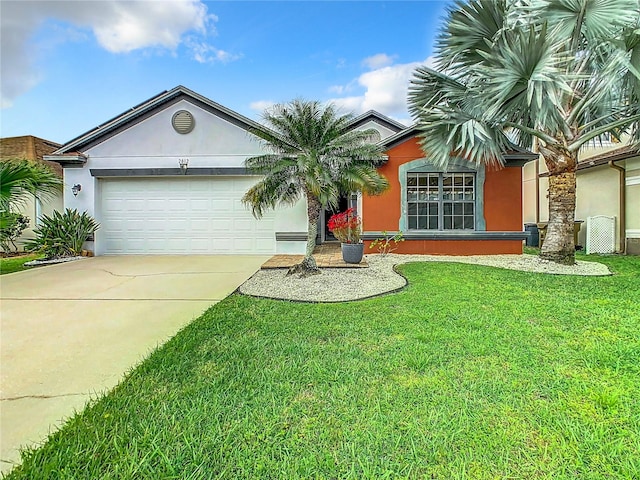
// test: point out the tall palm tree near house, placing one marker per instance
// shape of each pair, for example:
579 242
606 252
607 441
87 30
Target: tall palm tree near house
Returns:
20 179
312 155
553 73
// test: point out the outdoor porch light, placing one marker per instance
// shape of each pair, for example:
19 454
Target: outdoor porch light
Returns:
184 164
76 189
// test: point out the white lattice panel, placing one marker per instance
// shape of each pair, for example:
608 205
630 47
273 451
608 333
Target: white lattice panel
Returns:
601 234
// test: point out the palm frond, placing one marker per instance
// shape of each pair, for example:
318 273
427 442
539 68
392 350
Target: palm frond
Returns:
273 190
312 150
20 179
584 23
469 32
556 70
524 77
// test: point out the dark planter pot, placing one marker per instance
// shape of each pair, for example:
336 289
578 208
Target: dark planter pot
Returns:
352 252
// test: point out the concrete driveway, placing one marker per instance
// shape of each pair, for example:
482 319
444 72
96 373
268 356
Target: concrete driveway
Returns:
70 331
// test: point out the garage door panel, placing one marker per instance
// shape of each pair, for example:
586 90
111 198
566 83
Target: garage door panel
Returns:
199 205
178 226
200 226
242 225
177 205
150 225
135 244
221 204
181 215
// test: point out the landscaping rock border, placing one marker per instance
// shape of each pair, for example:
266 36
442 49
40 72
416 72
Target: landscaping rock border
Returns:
51 261
348 284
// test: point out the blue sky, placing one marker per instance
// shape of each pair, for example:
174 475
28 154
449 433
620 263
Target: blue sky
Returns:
70 66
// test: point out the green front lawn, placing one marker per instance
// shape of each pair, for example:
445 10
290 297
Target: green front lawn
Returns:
469 373
16 264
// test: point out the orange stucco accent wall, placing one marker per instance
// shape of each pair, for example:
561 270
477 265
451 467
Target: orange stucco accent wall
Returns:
503 199
502 208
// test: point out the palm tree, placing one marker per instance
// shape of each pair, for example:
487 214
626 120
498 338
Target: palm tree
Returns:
20 179
312 155
551 73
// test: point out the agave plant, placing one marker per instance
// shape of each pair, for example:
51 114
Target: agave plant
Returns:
62 234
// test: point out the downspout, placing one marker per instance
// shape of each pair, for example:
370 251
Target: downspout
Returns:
537 178
537 174
622 189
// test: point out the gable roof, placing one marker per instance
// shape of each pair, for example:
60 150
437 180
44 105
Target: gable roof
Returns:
401 136
517 156
150 107
377 117
31 148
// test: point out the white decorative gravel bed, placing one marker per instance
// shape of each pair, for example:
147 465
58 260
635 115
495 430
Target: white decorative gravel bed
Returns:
52 261
344 284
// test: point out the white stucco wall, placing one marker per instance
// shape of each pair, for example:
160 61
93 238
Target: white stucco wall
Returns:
597 193
529 192
153 143
384 131
633 197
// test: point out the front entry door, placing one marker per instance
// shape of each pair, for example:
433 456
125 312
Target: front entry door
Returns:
325 234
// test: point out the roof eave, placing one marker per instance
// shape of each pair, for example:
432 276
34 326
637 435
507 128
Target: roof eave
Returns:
386 121
75 159
144 107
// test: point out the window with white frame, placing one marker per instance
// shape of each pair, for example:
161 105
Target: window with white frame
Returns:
441 201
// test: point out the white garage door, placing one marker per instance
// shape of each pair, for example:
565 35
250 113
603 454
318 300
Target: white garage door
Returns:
181 215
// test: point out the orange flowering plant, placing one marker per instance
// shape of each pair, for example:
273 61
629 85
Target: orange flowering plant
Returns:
346 226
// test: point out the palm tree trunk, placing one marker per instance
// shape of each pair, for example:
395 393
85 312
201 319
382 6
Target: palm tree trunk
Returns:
558 243
308 266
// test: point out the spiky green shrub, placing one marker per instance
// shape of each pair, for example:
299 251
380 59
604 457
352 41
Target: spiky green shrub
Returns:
62 234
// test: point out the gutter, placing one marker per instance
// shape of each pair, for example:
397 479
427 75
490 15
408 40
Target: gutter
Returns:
537 177
622 189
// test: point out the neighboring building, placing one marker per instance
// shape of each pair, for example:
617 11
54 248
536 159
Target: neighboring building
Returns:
607 183
33 148
168 176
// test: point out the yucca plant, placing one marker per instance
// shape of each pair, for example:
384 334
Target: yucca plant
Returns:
62 234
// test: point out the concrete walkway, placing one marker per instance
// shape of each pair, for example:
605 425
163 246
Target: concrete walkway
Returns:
70 331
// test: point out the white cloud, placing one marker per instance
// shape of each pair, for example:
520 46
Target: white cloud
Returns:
203 52
377 61
119 27
261 105
385 90
343 89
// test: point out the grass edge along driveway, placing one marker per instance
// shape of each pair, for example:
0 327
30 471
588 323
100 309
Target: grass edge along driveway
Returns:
469 372
16 264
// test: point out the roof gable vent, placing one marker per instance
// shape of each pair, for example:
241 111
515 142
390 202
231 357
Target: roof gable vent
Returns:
183 121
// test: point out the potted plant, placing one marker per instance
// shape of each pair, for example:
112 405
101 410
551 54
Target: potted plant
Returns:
346 228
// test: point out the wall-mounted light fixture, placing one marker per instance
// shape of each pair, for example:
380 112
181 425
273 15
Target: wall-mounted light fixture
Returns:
76 189
184 164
